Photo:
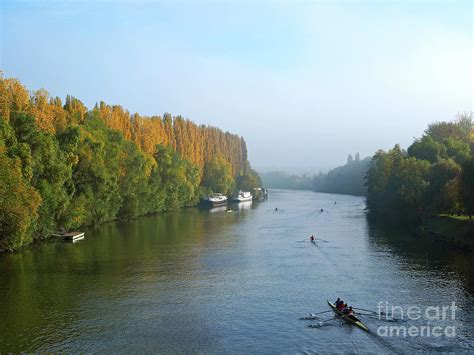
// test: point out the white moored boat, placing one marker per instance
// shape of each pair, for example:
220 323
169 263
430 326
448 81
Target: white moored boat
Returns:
242 196
216 200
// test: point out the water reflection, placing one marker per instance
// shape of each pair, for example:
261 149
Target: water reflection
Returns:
199 281
43 299
242 206
218 209
423 253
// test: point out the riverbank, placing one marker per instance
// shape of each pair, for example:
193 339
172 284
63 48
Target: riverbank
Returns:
457 232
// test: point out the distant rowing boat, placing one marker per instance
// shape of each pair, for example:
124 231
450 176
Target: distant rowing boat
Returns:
348 318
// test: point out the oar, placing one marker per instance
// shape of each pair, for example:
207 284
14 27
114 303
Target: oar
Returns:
315 314
366 314
375 316
369 310
327 320
321 323
377 313
323 312
362 309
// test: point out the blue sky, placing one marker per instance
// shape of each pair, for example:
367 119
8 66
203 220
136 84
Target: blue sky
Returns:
304 82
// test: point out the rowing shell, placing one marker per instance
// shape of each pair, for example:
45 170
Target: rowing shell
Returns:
348 319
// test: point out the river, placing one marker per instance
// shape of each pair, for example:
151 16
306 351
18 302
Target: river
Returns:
218 282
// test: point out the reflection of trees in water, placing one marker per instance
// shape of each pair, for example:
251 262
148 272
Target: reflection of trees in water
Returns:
422 252
52 288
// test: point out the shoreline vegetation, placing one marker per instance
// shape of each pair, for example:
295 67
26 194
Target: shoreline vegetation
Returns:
347 179
63 166
428 188
433 177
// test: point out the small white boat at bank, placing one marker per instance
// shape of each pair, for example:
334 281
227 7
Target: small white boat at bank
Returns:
215 200
242 196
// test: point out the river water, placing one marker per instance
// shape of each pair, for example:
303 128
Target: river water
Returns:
218 282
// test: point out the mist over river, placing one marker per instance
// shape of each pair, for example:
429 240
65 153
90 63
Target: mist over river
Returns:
211 281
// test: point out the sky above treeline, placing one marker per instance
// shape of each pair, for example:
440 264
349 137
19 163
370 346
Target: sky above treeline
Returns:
304 82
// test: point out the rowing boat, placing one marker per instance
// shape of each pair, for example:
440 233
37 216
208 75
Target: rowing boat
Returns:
349 319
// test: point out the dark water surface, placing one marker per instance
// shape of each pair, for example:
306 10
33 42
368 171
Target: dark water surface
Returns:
219 282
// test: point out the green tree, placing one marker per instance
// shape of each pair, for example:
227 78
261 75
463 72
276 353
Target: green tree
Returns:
458 149
248 181
46 163
134 173
459 129
440 192
179 179
412 182
428 149
85 167
218 175
346 179
18 205
397 185
467 186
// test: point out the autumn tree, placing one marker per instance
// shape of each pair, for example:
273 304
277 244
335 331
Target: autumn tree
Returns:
19 203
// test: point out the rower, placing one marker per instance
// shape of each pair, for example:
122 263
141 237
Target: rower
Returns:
312 238
337 302
350 311
340 306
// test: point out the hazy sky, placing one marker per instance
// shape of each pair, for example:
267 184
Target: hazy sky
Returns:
305 82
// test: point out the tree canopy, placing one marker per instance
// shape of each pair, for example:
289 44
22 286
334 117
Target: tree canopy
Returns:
63 166
435 175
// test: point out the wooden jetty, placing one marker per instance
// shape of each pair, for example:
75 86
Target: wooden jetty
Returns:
73 236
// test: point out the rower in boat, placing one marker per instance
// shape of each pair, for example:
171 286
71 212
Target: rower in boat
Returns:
311 238
348 311
349 318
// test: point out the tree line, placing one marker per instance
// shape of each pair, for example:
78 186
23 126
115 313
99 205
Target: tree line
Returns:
63 165
348 179
283 180
435 175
